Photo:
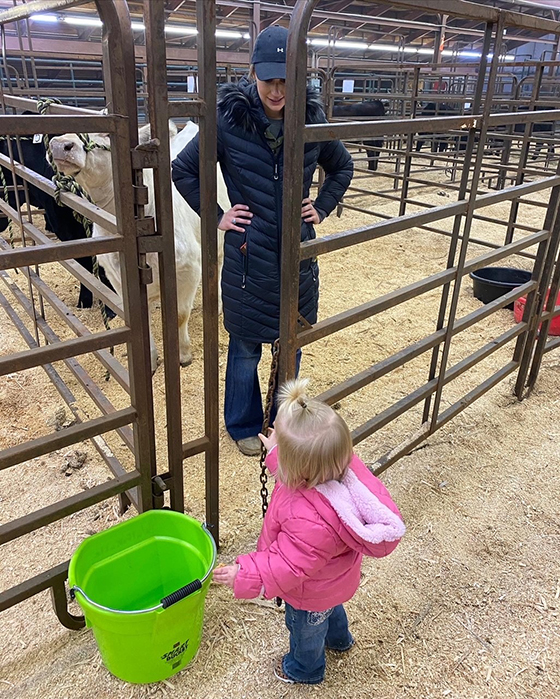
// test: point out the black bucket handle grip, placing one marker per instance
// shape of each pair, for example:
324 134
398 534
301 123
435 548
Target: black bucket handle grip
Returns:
181 593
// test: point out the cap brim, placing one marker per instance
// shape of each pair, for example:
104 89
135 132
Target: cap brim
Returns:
270 71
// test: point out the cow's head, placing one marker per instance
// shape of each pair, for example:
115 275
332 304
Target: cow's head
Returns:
71 156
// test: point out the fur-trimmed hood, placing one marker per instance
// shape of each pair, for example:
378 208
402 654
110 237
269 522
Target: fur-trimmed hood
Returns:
239 105
367 519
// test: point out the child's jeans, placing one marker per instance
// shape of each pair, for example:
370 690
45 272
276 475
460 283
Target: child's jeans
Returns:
310 633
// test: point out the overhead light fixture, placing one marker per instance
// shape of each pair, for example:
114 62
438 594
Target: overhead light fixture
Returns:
176 29
395 48
135 26
45 18
78 21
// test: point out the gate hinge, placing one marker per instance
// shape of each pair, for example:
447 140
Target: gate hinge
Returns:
146 275
140 194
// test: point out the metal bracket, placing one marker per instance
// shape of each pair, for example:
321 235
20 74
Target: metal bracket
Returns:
60 604
145 157
150 243
145 226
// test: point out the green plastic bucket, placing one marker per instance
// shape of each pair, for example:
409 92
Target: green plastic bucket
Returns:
141 585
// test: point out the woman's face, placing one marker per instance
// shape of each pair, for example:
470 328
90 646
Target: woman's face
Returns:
273 97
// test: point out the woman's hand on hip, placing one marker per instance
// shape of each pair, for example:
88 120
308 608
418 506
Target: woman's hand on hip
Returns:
309 213
239 215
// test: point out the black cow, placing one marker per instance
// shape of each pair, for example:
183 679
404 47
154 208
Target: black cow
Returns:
369 108
58 219
442 143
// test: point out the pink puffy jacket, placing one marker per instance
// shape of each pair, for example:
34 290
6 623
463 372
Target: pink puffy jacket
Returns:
312 542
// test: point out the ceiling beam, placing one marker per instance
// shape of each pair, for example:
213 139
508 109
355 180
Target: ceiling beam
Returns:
337 7
173 5
84 51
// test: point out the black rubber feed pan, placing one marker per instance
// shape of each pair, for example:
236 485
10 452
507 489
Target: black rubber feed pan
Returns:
489 283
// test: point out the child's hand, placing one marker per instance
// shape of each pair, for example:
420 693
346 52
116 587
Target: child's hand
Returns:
225 575
269 441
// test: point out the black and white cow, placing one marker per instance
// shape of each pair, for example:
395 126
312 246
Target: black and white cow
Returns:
58 219
369 108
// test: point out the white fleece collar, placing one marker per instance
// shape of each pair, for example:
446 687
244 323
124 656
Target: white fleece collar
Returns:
361 511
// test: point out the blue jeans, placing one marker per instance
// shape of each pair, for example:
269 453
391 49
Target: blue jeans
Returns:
310 634
243 410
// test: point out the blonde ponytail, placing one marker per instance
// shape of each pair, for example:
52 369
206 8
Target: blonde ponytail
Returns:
314 442
293 394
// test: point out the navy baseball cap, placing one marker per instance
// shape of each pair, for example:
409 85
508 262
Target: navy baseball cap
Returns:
269 53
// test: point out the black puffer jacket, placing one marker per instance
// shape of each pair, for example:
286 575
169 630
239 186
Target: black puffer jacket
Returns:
253 176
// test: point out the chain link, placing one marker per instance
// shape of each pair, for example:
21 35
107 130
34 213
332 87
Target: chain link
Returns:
266 420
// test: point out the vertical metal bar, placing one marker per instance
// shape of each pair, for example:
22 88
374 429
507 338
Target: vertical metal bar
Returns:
522 164
470 211
535 301
439 39
118 72
462 193
294 125
256 26
206 24
409 142
154 16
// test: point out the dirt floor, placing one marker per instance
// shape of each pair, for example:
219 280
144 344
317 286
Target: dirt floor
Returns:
467 606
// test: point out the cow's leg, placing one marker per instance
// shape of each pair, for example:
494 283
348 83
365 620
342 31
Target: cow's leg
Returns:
187 284
373 153
85 299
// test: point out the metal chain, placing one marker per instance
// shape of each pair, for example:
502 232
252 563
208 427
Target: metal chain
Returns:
266 420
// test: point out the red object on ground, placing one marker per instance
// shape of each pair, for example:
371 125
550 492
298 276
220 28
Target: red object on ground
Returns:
519 307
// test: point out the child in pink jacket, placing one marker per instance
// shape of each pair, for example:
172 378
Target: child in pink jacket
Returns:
326 511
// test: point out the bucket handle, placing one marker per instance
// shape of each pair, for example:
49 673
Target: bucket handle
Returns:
168 600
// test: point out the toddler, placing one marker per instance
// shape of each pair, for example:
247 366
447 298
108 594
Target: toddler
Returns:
326 511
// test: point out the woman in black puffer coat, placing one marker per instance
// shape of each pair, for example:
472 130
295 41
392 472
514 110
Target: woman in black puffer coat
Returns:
250 152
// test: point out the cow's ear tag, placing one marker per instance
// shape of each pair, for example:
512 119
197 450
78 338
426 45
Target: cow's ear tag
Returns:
38 138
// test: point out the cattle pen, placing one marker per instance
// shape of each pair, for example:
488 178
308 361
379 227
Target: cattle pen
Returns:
488 158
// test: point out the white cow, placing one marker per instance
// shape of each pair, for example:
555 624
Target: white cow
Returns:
92 170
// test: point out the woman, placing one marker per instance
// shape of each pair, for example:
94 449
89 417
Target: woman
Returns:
250 151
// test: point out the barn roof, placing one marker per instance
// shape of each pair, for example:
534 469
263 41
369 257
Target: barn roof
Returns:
360 29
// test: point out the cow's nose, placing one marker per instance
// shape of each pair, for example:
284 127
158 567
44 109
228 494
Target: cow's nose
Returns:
68 146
